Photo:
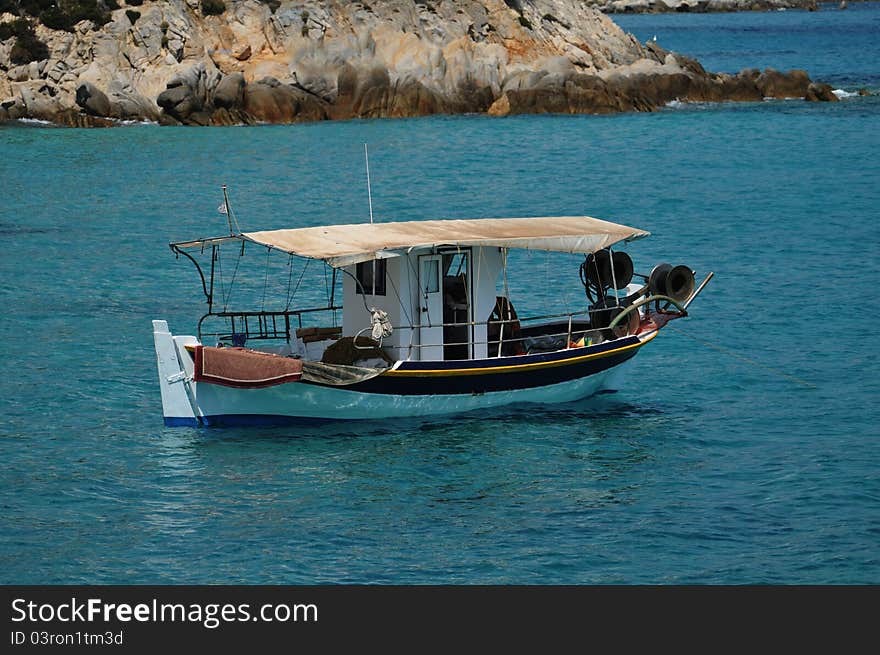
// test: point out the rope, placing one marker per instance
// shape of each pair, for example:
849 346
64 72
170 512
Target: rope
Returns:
232 281
289 280
600 292
645 301
265 281
390 278
613 276
220 272
479 266
380 325
291 297
423 294
504 271
743 358
413 279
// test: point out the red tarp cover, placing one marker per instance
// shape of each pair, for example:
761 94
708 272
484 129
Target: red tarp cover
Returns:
243 368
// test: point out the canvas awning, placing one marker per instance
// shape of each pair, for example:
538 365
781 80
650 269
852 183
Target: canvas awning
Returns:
343 245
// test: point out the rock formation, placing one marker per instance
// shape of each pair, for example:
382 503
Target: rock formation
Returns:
314 60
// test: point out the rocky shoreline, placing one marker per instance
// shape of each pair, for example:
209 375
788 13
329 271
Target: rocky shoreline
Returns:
245 62
698 6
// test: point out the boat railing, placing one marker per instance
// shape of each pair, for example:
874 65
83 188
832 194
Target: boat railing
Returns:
244 326
259 324
512 340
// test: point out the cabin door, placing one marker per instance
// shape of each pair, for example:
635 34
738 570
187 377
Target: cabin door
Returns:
430 307
457 333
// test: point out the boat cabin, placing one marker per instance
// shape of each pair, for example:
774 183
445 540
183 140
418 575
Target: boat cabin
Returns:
441 297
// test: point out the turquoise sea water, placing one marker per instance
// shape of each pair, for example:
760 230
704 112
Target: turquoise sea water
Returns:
708 466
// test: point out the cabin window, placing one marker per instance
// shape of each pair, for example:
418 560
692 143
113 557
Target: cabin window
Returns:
371 277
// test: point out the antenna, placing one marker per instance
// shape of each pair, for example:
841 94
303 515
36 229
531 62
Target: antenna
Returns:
226 208
369 191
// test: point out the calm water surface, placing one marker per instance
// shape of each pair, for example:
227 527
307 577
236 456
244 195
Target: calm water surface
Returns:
742 449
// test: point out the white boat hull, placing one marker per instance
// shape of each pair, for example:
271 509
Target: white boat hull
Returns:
186 402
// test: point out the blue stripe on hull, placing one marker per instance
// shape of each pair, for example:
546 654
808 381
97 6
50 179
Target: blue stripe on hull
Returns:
245 420
181 422
252 420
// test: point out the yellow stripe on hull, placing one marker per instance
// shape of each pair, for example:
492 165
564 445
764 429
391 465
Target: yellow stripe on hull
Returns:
513 368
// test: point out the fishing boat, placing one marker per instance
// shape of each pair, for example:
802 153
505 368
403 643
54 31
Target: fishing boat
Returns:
424 329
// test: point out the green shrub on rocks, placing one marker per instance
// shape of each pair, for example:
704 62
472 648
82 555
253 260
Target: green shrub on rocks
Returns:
61 14
27 46
18 27
86 10
213 7
57 19
34 7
